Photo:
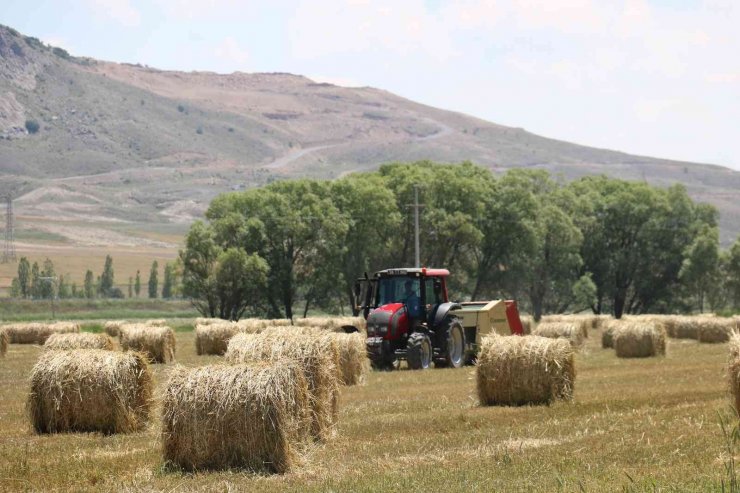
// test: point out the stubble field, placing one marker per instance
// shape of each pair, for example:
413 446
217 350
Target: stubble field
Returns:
634 425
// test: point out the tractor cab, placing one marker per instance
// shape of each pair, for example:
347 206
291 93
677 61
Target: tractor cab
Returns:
408 316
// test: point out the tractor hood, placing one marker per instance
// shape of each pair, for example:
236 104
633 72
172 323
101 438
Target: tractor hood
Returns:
387 321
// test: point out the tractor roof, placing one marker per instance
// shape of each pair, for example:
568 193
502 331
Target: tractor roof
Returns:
405 271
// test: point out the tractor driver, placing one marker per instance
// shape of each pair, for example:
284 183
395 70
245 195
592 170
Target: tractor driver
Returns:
412 301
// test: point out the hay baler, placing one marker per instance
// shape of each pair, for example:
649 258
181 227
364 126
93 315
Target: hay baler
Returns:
409 316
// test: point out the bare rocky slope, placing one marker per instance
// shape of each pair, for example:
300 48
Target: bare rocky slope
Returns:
135 152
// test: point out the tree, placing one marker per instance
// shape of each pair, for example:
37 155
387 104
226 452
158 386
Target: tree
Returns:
63 289
154 280
35 282
292 225
24 278
15 288
732 268
107 278
221 283
137 283
584 293
168 281
130 287
89 286
700 270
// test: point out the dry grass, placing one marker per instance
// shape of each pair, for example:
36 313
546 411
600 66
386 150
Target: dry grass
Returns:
243 416
640 340
157 343
83 340
424 430
561 330
316 356
37 332
514 371
90 390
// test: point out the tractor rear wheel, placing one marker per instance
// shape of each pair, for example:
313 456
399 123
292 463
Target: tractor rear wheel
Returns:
453 349
419 351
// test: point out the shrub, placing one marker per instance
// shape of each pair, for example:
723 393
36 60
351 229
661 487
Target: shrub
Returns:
32 126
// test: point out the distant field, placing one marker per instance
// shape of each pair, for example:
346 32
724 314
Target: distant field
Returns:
27 310
634 425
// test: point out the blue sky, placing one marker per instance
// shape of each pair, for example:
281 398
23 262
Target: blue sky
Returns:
653 77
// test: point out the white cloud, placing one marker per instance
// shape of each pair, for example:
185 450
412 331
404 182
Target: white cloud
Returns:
121 11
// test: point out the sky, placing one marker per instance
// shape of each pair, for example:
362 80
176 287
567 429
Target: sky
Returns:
650 77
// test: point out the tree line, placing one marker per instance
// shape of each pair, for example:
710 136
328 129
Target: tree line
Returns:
596 243
36 281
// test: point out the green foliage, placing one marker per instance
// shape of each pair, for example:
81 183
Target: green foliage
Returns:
60 52
24 277
154 280
169 281
137 283
609 245
732 267
32 126
89 286
107 280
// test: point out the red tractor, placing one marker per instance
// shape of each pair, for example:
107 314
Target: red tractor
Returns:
409 316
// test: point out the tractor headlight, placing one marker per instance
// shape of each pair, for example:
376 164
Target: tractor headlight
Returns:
382 329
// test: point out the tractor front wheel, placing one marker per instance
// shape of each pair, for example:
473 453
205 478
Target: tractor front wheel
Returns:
419 351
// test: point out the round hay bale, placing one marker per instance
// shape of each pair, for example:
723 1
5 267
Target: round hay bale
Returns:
334 324
214 338
157 343
246 416
716 329
564 330
90 390
37 333
607 336
640 340
602 320
527 324
316 356
515 371
4 341
83 340
113 327
156 322
685 327
733 369
208 321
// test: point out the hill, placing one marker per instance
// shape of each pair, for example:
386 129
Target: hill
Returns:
128 156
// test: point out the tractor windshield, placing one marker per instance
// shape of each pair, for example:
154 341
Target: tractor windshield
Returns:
397 289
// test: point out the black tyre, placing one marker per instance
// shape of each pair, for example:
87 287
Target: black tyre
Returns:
453 344
419 351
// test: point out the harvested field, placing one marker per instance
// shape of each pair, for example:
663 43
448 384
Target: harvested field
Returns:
4 341
157 343
316 356
664 412
733 369
245 416
514 371
36 332
90 390
561 330
640 340
83 340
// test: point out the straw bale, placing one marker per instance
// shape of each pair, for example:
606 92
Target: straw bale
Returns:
316 356
158 343
683 327
251 416
214 338
640 340
113 327
514 371
4 341
733 369
607 336
565 330
156 322
90 390
334 324
37 332
716 329
84 340
527 324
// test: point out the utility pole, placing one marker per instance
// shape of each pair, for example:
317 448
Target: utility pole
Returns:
9 247
416 206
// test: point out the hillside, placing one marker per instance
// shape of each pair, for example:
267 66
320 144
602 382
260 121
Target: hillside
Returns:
128 156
